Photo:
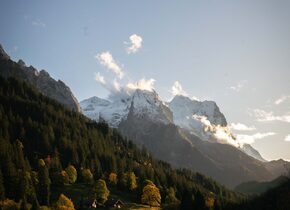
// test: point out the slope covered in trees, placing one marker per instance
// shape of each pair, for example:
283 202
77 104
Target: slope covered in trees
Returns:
40 141
277 198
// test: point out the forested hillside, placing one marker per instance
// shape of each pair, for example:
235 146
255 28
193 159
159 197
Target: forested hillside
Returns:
277 198
43 144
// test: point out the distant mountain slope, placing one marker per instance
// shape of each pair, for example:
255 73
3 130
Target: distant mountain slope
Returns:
276 198
143 117
260 187
57 90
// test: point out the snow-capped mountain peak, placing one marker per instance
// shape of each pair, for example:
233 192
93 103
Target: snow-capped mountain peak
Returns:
200 118
140 103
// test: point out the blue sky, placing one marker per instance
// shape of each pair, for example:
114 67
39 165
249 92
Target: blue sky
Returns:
234 52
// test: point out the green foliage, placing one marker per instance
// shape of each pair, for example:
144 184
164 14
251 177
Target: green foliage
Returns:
131 181
170 198
87 175
72 174
44 184
277 198
2 189
100 191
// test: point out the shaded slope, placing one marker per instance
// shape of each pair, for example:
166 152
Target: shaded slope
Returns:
57 90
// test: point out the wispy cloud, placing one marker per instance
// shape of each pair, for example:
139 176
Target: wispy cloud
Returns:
263 116
219 133
38 23
250 139
241 127
136 43
281 99
107 60
99 78
177 89
142 84
238 87
287 138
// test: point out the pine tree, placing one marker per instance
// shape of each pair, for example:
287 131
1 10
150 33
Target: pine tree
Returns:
2 189
44 184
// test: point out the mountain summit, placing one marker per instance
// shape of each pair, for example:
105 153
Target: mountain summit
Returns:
184 132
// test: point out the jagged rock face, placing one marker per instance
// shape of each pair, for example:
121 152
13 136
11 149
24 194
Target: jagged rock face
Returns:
142 103
57 90
3 54
147 121
184 108
249 150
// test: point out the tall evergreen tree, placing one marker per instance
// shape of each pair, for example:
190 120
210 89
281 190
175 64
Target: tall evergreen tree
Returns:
2 189
44 183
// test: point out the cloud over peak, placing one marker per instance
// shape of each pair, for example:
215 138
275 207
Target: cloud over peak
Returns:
177 89
136 43
142 84
106 59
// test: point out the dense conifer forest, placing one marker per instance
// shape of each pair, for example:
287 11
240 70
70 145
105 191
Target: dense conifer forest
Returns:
40 140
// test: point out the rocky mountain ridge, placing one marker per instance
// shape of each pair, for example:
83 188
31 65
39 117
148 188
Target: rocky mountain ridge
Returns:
170 133
57 90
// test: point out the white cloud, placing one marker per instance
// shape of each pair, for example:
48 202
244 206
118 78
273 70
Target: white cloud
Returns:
238 86
38 23
249 139
136 43
99 78
177 89
241 127
287 138
142 84
219 133
281 99
263 116
113 87
116 85
107 60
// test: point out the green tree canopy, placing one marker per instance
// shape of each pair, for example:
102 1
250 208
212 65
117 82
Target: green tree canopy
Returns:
87 175
100 191
72 174
170 197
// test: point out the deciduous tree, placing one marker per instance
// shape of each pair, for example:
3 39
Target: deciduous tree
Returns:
151 195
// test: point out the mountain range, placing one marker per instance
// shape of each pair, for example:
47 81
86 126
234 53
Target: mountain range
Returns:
184 132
